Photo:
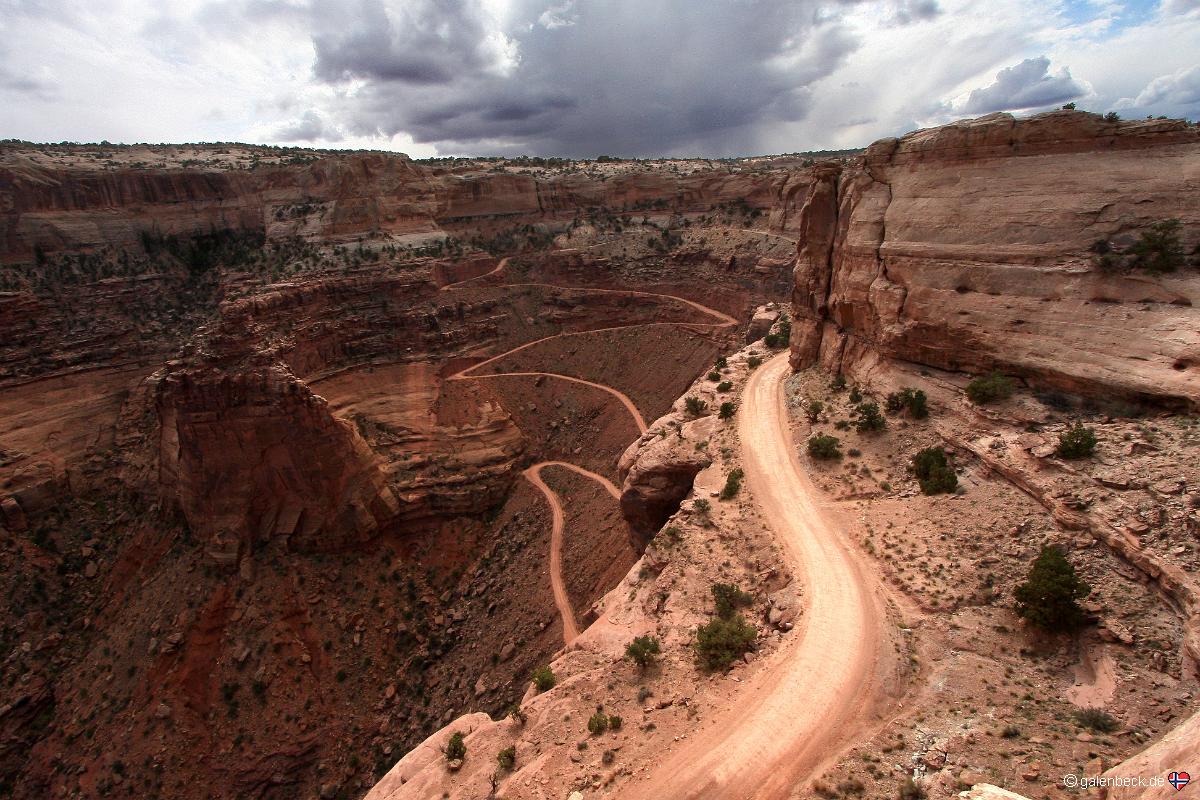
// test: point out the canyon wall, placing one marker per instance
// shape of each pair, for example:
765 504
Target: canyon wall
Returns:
969 248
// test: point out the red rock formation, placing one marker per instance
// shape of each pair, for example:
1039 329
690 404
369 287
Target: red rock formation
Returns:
966 248
255 455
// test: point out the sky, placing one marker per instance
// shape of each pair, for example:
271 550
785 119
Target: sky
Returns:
635 78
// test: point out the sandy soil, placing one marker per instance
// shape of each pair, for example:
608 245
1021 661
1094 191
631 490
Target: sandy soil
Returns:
809 701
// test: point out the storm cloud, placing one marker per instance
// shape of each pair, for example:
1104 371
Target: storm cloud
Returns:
575 77
629 77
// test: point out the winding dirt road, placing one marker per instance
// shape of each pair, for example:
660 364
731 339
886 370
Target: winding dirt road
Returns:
804 705
562 600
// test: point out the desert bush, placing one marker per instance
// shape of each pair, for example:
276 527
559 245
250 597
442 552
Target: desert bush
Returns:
507 758
989 388
729 599
838 383
1112 116
1159 249
1096 719
911 400
733 484
1077 442
695 406
727 410
813 409
544 679
934 472
1010 732
868 419
517 714
720 642
1049 596
456 748
597 723
721 362
701 506
714 376
615 723
643 650
724 386
910 790
824 447
753 362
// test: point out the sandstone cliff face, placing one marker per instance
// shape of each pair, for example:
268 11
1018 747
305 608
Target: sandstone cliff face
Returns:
255 455
966 248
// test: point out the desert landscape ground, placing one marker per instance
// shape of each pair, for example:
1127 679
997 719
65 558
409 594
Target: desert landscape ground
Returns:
340 475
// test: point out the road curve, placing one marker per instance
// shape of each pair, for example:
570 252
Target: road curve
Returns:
561 599
533 474
805 703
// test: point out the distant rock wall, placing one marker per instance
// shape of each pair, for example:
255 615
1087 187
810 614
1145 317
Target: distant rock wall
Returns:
967 248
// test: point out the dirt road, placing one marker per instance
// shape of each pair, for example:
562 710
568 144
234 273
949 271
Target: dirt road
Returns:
533 474
561 599
809 699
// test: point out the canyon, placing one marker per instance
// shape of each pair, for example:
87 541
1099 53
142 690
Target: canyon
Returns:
309 460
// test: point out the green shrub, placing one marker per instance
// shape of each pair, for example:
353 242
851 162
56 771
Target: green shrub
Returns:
1049 596
729 599
934 473
714 376
989 388
1112 116
911 400
615 723
643 650
597 723
724 386
855 395
1159 250
507 758
838 383
868 419
824 447
753 362
727 410
721 362
1076 442
701 506
813 409
517 714
733 484
695 406
1096 719
722 641
543 678
456 748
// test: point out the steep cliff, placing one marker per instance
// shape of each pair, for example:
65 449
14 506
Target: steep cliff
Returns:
970 247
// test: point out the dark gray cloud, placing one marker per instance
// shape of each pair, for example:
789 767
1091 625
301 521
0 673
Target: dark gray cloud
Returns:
1024 86
906 12
420 42
308 128
575 78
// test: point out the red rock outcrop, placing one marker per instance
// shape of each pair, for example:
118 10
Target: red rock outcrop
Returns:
255 455
967 248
